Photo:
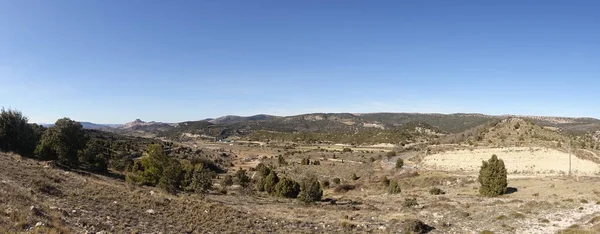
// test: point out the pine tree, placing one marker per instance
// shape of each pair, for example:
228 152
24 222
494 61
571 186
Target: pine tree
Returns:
492 177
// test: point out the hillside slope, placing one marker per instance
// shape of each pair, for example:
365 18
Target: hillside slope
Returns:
56 201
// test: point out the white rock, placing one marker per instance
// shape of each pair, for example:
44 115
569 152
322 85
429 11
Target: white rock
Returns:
152 192
39 224
150 211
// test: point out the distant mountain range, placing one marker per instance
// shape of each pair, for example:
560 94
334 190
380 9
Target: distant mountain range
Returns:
328 125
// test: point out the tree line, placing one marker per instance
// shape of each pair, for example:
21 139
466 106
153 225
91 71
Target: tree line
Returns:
66 142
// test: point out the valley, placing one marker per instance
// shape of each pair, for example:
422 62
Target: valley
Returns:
354 166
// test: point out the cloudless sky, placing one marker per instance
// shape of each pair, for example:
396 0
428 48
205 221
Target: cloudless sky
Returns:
109 61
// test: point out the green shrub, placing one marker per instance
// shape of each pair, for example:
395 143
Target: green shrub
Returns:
436 191
492 177
316 162
342 188
305 161
410 202
337 180
394 187
281 160
227 181
347 150
94 156
149 168
16 135
268 183
310 190
325 184
287 188
242 179
399 163
385 181
390 154
414 226
63 141
170 178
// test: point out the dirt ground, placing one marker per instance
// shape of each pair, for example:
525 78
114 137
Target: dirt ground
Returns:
76 202
518 161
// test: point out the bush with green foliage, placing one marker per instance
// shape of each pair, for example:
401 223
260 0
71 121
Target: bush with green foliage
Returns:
242 179
149 168
399 163
436 191
94 157
268 183
16 135
227 181
170 179
310 190
305 161
347 150
287 188
63 141
394 187
316 162
414 226
492 177
337 180
410 202
281 160
390 154
385 181
325 184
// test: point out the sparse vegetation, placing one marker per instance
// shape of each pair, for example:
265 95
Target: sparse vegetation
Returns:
410 202
394 187
436 191
310 190
399 163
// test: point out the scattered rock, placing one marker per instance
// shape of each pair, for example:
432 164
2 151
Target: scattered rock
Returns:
150 211
152 192
39 224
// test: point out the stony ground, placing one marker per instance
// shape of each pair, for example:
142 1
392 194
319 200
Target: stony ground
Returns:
36 197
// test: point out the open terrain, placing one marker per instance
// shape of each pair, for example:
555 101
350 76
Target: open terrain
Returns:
353 164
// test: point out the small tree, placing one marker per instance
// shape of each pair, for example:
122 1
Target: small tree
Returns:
170 178
94 157
227 181
492 177
62 141
242 178
337 180
399 163
394 187
310 190
16 135
281 160
269 182
287 188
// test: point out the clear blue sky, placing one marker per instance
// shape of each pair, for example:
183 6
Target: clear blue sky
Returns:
110 61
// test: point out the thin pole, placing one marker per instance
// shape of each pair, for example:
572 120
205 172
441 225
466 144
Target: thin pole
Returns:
569 157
